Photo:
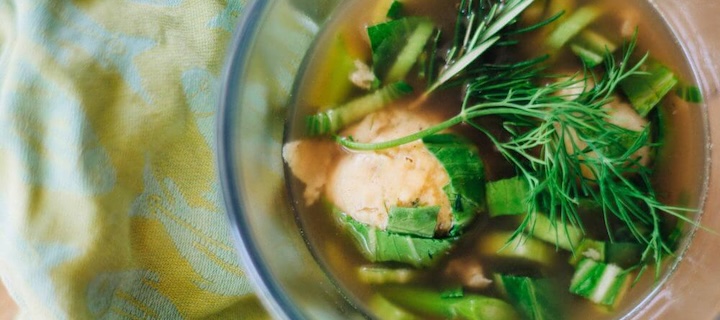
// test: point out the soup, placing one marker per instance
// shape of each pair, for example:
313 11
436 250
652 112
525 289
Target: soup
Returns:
495 160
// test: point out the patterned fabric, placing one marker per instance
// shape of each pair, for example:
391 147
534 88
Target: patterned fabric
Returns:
109 198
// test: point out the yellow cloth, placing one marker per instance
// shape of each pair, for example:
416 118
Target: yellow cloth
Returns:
109 196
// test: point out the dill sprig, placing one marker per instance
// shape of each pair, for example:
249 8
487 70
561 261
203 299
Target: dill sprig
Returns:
565 146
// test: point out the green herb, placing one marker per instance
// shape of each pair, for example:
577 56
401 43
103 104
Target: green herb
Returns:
483 31
543 125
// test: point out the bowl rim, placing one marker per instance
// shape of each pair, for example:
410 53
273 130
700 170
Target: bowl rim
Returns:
267 288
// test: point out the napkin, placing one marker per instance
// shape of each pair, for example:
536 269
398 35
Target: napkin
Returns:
110 205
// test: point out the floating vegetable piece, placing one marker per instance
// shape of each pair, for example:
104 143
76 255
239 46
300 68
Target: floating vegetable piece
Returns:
592 47
571 26
332 120
536 298
383 275
384 309
396 45
383 246
599 282
646 89
522 247
419 221
431 303
561 234
466 190
395 11
507 196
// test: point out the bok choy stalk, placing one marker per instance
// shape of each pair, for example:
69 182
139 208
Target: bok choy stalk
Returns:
536 298
384 246
470 307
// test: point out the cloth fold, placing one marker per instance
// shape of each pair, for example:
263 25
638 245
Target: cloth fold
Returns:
109 195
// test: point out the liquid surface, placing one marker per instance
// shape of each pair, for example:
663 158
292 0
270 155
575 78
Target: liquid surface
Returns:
678 164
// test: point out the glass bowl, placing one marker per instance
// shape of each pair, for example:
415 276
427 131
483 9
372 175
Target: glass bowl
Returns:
266 54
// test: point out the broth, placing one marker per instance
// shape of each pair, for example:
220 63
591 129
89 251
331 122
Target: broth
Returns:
678 165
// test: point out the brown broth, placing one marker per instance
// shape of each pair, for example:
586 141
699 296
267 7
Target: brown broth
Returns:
679 165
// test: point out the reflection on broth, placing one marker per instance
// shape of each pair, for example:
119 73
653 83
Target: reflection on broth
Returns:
496 159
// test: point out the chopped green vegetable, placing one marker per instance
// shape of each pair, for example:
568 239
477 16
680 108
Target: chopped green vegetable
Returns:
384 309
382 246
623 254
430 303
333 77
588 248
507 196
466 189
504 245
561 234
456 292
646 89
332 120
383 275
395 11
592 47
689 93
420 221
571 26
599 282
396 45
536 298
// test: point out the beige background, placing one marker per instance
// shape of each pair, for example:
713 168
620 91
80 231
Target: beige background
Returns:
7 307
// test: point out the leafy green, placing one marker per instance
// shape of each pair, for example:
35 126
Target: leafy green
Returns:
466 189
383 246
418 221
395 11
507 196
536 298
599 282
396 45
431 303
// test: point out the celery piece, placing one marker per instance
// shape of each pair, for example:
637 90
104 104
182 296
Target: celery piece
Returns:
466 189
383 275
384 309
432 304
599 282
689 93
395 11
592 47
332 120
646 89
383 246
523 247
588 248
562 235
571 26
396 45
420 221
507 196
535 298
332 80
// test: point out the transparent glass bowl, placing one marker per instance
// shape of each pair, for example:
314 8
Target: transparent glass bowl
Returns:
268 49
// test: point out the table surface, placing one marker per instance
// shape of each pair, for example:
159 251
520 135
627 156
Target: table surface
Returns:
7 306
